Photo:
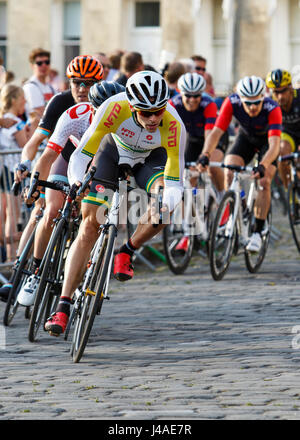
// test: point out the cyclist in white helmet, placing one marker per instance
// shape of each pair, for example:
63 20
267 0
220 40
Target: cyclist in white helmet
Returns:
259 120
137 128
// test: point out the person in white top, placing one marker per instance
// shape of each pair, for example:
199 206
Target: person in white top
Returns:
38 90
12 104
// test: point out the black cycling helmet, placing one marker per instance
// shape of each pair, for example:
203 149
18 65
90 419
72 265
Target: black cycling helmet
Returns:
278 78
100 92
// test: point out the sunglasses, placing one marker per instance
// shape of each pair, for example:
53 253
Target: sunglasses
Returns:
193 96
40 63
203 69
82 83
278 92
147 114
249 103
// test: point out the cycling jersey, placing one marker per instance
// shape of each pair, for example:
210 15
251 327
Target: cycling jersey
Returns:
268 122
74 121
133 142
54 109
291 119
200 120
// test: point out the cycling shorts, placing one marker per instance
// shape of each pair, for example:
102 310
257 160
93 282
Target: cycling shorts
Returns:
291 139
194 147
247 147
59 170
105 179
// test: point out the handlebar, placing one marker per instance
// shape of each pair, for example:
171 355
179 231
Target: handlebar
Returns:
160 204
89 175
291 156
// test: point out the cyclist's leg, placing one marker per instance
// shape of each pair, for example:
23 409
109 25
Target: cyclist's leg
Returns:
287 146
263 200
240 153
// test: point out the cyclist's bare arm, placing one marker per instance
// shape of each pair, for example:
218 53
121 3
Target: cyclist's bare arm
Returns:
29 152
210 144
44 163
7 122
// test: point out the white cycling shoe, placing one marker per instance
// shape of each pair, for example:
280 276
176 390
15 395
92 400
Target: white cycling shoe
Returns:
255 243
26 295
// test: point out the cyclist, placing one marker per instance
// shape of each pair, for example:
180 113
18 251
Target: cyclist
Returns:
198 112
73 122
260 128
138 128
83 71
280 83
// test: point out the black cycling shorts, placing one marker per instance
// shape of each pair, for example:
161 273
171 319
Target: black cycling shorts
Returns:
194 147
107 166
247 147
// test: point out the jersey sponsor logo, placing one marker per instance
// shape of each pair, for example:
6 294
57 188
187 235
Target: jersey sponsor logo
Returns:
269 106
113 115
100 188
127 133
78 110
149 137
235 99
173 136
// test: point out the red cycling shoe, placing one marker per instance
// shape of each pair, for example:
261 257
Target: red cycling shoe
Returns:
123 269
57 323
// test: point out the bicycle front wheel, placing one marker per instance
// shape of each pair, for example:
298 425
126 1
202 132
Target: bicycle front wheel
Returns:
294 212
254 259
92 298
223 236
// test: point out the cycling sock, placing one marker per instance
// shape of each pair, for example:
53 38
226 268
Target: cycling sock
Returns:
64 305
36 263
128 248
259 225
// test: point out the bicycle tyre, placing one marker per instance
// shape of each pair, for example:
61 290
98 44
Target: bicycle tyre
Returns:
93 303
172 234
58 236
255 260
293 201
19 277
221 244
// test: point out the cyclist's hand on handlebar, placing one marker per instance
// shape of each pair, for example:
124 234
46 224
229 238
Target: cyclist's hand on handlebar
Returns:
258 171
81 194
34 197
203 162
21 172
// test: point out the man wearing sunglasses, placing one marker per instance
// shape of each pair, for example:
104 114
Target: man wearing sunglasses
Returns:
138 128
280 83
38 91
259 121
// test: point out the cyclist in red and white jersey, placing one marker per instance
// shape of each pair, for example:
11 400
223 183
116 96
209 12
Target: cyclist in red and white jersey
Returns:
72 123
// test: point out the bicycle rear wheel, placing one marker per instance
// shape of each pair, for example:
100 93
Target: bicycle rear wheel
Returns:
52 267
294 212
223 236
22 271
178 244
92 298
254 259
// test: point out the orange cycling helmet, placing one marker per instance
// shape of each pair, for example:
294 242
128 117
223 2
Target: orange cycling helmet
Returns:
85 66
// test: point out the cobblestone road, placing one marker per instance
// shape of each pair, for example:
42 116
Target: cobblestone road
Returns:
170 347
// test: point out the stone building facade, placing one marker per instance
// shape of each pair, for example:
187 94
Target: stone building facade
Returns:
238 37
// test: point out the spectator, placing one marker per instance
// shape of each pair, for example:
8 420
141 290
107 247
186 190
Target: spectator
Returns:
56 81
200 67
172 74
12 104
131 62
38 91
188 63
104 60
115 60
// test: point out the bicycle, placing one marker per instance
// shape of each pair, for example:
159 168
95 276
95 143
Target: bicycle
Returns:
233 226
190 222
50 272
293 196
89 297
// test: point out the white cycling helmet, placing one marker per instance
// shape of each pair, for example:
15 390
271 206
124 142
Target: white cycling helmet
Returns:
147 90
251 86
191 83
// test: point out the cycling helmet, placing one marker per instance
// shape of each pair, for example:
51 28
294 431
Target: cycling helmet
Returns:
147 90
251 86
278 78
99 92
191 83
85 66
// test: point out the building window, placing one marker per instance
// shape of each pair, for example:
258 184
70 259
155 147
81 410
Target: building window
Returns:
3 30
71 30
147 14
